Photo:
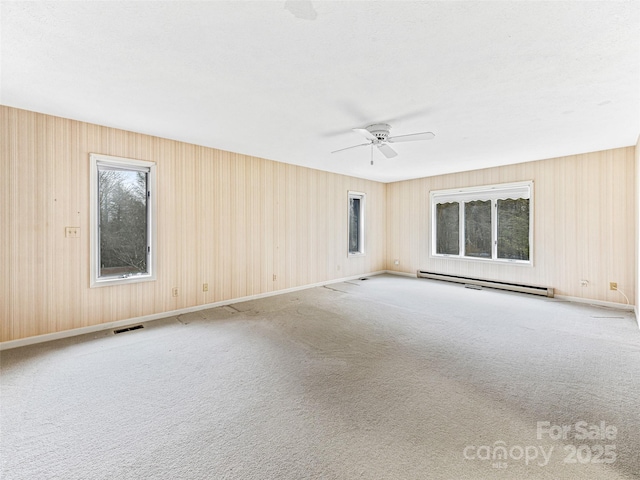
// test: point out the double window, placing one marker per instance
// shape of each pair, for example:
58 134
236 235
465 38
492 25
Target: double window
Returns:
122 220
356 223
493 222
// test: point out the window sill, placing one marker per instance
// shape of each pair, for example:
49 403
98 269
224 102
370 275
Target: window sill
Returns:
520 263
107 282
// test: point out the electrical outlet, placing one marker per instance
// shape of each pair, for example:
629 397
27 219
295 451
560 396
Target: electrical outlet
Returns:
274 277
613 285
72 232
174 292
584 283
205 287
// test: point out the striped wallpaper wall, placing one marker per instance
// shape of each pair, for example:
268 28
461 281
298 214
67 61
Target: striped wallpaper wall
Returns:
584 224
249 226
243 225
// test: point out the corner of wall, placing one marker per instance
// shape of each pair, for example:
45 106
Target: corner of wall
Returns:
637 243
385 217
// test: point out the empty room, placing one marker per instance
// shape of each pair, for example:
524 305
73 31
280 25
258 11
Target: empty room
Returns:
319 240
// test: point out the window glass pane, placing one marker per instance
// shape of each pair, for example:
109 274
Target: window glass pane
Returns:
448 228
122 196
354 225
513 229
477 229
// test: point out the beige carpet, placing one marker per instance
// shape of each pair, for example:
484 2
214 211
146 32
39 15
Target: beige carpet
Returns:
386 378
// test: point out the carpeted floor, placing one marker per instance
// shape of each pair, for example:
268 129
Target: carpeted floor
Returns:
385 378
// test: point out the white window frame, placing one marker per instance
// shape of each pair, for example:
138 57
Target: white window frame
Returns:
486 192
363 202
127 164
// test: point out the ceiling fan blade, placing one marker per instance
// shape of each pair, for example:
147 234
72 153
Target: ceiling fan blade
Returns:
365 133
387 151
348 148
412 137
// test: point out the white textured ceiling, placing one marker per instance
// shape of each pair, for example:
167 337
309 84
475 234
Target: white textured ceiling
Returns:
497 82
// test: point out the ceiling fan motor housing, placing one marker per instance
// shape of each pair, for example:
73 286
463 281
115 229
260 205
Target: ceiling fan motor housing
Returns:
380 131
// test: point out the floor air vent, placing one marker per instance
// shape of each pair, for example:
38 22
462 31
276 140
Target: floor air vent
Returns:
514 287
128 329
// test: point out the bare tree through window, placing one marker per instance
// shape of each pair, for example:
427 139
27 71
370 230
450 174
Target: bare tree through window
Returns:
123 221
448 228
356 223
492 222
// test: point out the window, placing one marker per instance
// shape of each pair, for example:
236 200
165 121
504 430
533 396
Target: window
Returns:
489 223
122 220
356 223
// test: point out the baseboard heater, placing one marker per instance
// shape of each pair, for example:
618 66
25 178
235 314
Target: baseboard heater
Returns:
514 287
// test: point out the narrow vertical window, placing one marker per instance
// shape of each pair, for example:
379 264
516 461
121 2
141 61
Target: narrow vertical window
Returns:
122 220
356 223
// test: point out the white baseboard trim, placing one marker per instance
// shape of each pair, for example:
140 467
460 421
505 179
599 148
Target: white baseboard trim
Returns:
600 303
635 310
47 337
403 274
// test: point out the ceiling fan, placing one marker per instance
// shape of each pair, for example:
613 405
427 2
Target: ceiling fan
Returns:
378 135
